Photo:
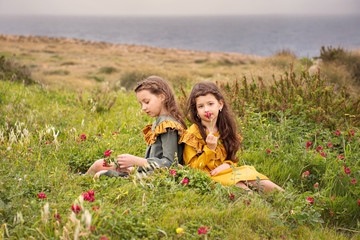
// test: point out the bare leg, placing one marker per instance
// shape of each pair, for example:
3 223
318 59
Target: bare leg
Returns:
243 186
266 185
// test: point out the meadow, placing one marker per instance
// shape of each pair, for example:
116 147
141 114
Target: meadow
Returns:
300 129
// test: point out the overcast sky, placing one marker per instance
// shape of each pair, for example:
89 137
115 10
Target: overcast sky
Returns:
178 7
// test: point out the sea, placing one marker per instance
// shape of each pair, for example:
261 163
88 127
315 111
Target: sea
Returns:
262 35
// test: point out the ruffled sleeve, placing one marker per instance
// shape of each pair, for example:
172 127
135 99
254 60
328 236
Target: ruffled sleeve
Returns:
197 154
150 135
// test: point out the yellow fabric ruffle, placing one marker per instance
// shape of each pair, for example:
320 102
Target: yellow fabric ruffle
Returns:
150 136
193 138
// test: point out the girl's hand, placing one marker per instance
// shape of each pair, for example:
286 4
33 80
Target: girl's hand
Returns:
127 160
219 169
211 141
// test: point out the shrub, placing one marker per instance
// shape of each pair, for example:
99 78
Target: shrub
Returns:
107 70
12 71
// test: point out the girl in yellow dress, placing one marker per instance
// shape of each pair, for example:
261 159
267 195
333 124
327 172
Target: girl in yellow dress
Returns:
211 142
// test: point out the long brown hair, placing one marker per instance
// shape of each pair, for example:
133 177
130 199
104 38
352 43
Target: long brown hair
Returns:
225 121
156 85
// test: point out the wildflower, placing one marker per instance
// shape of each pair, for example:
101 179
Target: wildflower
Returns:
269 151
276 146
332 197
245 202
308 144
322 154
95 208
359 203
104 238
179 230
232 196
91 193
86 196
337 132
353 181
108 152
47 142
29 149
114 133
41 195
316 185
92 228
319 148
57 217
76 209
352 132
185 180
173 172
203 230
310 199
208 115
330 145
341 157
99 134
347 171
83 137
305 174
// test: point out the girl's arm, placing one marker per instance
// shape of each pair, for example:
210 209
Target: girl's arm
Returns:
163 152
195 160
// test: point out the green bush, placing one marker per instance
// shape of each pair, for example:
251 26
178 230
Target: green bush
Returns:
12 71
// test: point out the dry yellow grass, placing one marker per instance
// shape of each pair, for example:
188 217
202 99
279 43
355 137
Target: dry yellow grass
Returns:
71 63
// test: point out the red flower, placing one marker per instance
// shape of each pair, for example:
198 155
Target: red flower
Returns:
83 137
76 209
316 185
108 152
310 199
95 208
173 172
359 203
319 148
185 180
248 203
353 181
203 230
29 149
47 142
104 238
208 115
92 228
341 157
232 196
114 133
41 195
91 193
352 132
57 217
99 134
269 151
305 174
86 196
330 145
347 171
337 132
322 154
332 197
276 146
308 144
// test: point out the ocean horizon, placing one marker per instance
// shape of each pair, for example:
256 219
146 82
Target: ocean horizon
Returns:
261 35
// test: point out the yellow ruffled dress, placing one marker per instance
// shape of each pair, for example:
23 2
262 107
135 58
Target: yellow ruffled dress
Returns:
199 156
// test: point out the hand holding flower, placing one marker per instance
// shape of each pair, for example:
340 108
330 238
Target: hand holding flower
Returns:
127 160
211 141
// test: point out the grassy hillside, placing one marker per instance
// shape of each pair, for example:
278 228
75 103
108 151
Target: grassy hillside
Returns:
48 133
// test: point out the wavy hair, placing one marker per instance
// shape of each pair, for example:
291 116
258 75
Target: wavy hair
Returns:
156 85
225 121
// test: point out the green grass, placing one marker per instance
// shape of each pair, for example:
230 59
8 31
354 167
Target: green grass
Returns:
155 206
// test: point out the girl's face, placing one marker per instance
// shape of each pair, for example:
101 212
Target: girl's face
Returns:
208 105
150 103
